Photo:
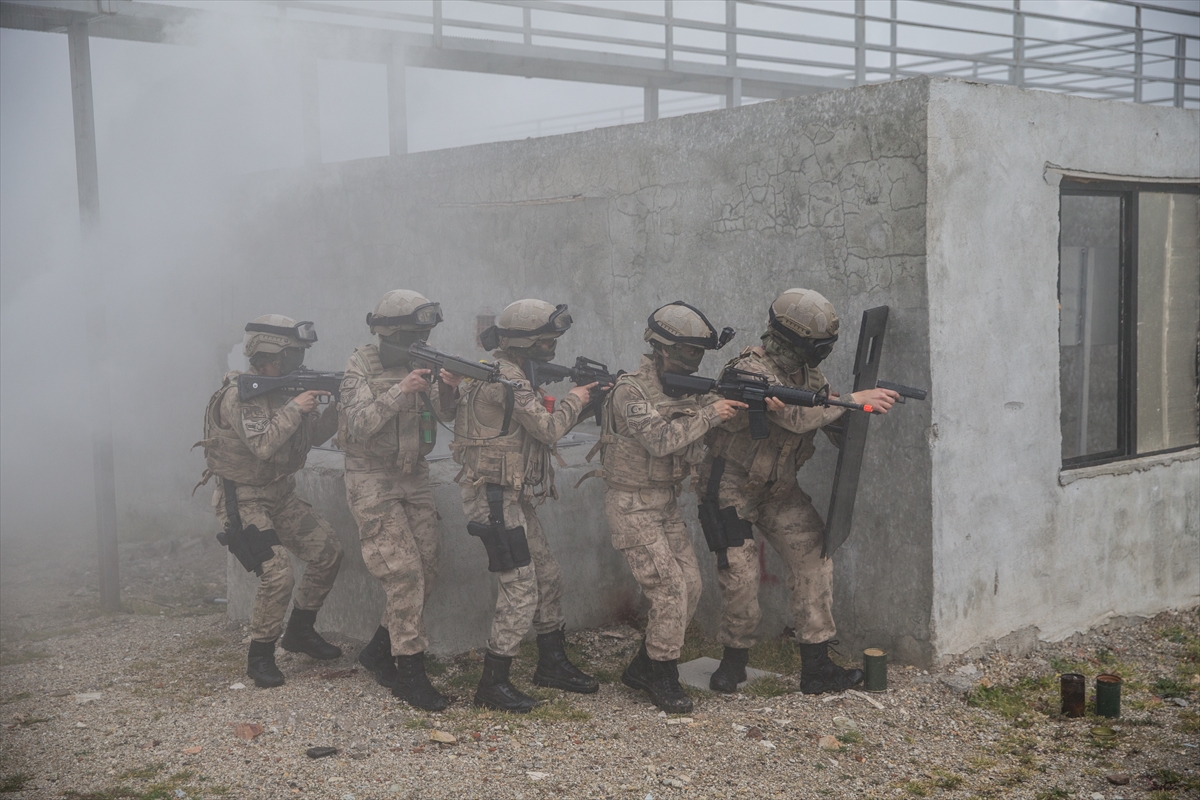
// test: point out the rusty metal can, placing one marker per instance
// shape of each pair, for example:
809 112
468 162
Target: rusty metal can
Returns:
1074 694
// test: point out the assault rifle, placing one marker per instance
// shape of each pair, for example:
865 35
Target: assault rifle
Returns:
584 372
294 383
753 390
484 371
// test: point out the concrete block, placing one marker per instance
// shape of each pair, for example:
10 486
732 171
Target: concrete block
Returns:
697 672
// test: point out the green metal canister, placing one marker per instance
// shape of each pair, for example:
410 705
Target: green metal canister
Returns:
1108 695
874 670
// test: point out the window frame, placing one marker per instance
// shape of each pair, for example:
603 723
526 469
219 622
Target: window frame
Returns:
1127 303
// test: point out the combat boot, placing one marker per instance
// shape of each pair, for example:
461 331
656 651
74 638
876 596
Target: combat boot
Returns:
732 670
818 674
377 657
260 665
659 680
555 670
301 638
637 674
494 690
413 687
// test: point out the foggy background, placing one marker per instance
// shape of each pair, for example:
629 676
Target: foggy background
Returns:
177 128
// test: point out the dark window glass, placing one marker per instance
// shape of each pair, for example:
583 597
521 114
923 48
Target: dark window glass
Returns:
1129 320
1089 317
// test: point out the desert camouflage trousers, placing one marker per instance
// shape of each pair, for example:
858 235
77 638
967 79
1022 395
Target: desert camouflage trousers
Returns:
397 528
529 595
300 530
646 527
783 515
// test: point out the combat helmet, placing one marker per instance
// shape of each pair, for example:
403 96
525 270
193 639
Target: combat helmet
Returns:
525 322
805 322
274 333
404 310
677 327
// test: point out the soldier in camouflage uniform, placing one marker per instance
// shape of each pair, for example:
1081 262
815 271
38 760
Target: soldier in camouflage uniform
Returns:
254 448
386 428
650 442
504 437
757 478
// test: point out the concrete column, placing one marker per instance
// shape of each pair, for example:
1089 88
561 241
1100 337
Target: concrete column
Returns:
437 23
733 90
87 176
527 24
397 103
860 42
1180 67
310 111
1017 78
669 34
1138 46
650 104
894 39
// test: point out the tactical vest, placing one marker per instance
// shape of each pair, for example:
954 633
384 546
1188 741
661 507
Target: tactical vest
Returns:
516 459
625 462
782 452
228 456
404 440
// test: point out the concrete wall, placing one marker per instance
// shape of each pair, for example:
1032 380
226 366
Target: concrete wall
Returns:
1016 541
966 529
723 210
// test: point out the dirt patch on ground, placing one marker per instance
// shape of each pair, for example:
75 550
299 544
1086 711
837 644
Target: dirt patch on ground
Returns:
153 703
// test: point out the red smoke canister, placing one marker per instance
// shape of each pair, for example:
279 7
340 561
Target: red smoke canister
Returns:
548 402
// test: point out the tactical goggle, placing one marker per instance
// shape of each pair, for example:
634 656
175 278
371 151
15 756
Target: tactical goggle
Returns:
710 342
303 331
558 323
821 347
425 316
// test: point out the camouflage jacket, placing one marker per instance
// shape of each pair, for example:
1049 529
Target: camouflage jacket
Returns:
379 427
258 441
522 457
650 439
792 430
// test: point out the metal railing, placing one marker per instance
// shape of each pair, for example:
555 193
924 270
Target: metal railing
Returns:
1114 49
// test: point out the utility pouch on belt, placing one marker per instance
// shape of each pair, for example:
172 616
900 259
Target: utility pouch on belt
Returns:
250 546
722 527
507 548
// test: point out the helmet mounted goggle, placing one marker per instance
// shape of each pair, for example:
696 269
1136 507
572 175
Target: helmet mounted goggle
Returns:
424 316
302 331
558 323
710 342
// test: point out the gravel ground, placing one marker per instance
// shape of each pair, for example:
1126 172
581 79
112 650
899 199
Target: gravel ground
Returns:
153 703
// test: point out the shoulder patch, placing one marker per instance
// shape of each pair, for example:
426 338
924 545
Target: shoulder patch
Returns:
255 420
349 382
637 409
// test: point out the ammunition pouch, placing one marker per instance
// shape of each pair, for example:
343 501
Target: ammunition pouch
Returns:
507 548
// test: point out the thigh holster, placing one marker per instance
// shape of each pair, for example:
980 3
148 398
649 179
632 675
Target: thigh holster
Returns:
249 545
722 527
507 548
